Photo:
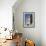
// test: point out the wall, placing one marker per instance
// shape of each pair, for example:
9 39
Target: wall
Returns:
6 16
6 13
43 22
28 6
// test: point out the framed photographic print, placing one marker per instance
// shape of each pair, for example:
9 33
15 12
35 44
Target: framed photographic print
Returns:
29 19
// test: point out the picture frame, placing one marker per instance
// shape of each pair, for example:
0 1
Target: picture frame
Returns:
29 19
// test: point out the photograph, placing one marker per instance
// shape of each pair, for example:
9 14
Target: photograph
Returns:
29 19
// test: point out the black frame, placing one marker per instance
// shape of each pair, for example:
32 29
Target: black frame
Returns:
29 16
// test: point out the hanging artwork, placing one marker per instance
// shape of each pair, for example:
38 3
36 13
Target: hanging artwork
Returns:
29 19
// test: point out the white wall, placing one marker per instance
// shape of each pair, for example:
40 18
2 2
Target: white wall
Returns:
28 6
43 22
6 13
